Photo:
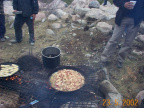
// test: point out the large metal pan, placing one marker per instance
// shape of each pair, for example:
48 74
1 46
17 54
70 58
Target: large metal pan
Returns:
10 70
66 67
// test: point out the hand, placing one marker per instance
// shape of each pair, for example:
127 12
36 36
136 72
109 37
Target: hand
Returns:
129 5
34 16
14 10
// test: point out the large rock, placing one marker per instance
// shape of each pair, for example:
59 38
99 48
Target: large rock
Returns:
82 22
81 11
40 16
109 16
8 8
56 4
66 17
141 30
81 3
41 5
109 9
141 38
104 27
95 14
52 17
112 94
137 52
115 100
75 17
59 13
140 97
142 25
11 19
94 4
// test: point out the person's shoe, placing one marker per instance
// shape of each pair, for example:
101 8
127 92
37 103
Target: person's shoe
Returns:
105 5
32 43
2 39
14 41
119 64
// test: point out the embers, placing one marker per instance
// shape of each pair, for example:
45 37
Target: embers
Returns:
14 78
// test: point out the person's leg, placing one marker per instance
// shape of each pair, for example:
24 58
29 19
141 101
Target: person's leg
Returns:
130 36
30 24
105 2
2 26
18 23
113 41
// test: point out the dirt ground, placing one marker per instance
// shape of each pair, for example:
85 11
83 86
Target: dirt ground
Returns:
80 49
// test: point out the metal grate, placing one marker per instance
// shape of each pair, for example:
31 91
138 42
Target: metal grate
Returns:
33 87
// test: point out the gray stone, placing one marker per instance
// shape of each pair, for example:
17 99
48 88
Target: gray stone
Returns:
74 34
82 22
56 4
81 11
142 25
59 13
112 94
81 3
8 8
40 16
43 20
95 14
88 55
137 52
52 17
56 25
94 4
49 32
141 38
104 27
140 97
11 19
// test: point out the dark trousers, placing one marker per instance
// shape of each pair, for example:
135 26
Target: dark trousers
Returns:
105 2
19 22
2 25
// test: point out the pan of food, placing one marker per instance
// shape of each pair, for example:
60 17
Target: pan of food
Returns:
8 69
67 79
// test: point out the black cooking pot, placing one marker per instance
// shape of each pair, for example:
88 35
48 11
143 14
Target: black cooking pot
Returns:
51 57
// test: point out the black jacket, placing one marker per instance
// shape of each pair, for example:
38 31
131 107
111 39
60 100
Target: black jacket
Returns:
122 11
28 7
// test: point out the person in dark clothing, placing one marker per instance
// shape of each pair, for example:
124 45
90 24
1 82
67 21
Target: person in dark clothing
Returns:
105 2
128 17
2 22
25 11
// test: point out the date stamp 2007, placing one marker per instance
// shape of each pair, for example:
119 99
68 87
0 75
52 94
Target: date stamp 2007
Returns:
125 102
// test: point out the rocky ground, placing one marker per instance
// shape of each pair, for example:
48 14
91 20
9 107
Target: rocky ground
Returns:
80 49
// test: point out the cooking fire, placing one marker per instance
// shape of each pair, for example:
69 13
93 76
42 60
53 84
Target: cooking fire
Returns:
60 87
